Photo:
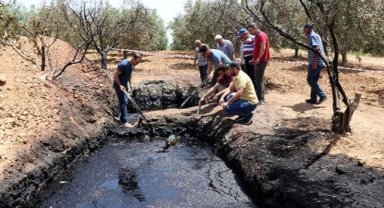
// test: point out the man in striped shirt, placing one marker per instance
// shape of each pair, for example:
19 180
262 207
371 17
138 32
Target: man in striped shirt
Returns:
202 62
315 65
247 53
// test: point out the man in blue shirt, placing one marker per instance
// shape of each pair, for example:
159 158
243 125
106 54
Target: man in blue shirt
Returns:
215 58
121 78
315 65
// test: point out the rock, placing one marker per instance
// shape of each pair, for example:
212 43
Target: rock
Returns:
340 169
171 140
3 79
360 163
160 94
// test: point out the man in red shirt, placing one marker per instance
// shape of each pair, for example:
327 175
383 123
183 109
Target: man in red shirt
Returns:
261 57
223 81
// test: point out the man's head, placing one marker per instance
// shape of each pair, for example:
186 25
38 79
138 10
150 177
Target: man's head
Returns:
204 50
234 68
222 70
253 29
219 39
308 29
243 34
197 43
136 58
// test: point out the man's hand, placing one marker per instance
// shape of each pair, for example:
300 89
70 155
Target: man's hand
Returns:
201 101
314 65
221 102
122 88
215 97
225 104
256 61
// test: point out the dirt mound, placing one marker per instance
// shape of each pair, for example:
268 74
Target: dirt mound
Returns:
42 119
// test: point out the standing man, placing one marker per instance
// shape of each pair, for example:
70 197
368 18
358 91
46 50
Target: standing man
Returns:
240 98
261 57
247 53
121 78
315 65
225 46
216 58
202 62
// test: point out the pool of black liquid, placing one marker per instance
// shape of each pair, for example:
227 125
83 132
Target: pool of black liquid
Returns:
145 174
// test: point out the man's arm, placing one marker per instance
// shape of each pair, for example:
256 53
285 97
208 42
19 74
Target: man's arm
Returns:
262 51
116 79
236 96
194 61
231 50
211 91
226 91
210 66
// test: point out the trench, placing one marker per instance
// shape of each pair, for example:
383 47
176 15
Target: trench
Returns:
133 173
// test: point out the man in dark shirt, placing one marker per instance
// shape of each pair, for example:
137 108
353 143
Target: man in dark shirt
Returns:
223 81
121 79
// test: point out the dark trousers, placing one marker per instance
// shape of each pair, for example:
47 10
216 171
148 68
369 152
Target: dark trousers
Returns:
312 79
240 107
203 72
249 69
123 104
259 80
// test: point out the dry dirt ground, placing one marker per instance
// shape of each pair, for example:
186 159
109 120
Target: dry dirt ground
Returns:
36 112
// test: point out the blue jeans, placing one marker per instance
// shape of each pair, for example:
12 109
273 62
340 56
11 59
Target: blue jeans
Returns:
240 107
259 80
123 104
312 79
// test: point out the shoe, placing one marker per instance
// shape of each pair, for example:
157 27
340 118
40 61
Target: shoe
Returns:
128 125
238 119
311 101
322 100
247 120
262 102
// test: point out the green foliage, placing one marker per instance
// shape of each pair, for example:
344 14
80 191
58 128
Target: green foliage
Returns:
205 19
148 33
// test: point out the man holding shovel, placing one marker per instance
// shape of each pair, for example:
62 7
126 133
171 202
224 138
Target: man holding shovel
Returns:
121 78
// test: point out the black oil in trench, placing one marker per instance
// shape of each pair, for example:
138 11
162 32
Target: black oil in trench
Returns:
138 174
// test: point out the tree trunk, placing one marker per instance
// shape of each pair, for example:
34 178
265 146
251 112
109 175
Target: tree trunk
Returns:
104 60
43 58
344 58
296 51
341 120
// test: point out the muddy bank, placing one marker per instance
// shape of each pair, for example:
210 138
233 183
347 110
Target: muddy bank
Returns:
286 167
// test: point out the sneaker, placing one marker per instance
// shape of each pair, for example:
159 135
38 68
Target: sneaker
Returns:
128 125
247 120
322 100
238 119
311 101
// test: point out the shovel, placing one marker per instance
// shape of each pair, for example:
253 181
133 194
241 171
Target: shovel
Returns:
193 93
134 104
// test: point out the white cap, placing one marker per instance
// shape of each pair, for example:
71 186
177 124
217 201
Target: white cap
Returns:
218 37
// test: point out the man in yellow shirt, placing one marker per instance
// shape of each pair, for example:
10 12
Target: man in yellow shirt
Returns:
240 97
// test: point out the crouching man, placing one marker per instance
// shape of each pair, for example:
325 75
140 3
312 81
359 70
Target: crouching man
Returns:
240 97
223 81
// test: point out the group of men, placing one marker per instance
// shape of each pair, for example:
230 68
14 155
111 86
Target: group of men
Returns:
238 86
